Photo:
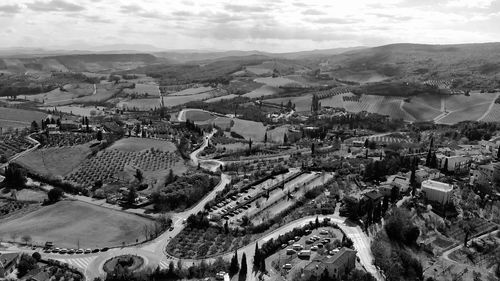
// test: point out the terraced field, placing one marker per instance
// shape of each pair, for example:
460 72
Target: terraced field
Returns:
493 115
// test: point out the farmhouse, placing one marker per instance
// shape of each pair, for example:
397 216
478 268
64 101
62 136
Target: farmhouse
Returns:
436 191
483 174
8 262
338 265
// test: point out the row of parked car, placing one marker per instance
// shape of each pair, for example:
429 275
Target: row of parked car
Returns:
73 251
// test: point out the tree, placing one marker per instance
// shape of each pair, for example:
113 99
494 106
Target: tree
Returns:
498 153
34 126
445 167
394 193
37 256
99 135
468 228
132 194
234 267
26 239
55 194
243 270
138 175
265 138
312 148
257 256
15 177
26 264
285 139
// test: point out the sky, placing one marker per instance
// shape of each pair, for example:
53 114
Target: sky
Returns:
275 26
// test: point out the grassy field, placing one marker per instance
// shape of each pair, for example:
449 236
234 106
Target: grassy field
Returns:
57 97
18 118
68 222
150 89
493 115
31 195
57 161
140 144
141 104
472 112
104 92
191 91
198 115
249 129
77 110
262 92
276 81
226 97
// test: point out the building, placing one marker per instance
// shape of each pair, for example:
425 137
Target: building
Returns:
453 163
426 173
8 262
68 125
338 265
403 183
436 191
483 174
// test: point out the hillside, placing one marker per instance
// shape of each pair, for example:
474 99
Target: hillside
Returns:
472 66
78 63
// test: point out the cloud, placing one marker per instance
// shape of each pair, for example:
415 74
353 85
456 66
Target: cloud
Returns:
392 17
313 12
54 6
10 9
244 9
334 20
139 11
94 18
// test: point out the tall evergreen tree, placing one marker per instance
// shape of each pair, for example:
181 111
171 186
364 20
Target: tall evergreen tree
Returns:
285 139
234 267
256 257
243 270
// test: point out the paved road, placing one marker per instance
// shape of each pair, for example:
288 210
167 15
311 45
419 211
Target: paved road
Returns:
154 255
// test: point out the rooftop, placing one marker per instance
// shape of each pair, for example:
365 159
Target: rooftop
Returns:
437 185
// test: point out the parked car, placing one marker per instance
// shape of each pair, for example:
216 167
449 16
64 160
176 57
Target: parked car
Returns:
79 251
63 251
104 249
95 251
88 251
71 251
314 248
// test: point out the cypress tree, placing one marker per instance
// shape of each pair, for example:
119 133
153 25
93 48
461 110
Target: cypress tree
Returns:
243 270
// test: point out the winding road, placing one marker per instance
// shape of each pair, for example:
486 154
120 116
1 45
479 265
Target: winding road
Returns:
154 254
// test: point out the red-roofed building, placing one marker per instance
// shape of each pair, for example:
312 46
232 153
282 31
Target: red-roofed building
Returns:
338 265
8 262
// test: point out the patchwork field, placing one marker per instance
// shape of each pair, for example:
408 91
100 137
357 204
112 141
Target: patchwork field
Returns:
141 144
70 93
104 92
249 129
140 104
56 161
226 97
18 118
150 89
493 115
192 91
77 110
263 91
419 108
198 115
277 81
68 222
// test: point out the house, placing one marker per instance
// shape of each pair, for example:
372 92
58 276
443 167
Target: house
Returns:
374 196
436 191
69 125
8 262
426 173
403 183
338 265
453 163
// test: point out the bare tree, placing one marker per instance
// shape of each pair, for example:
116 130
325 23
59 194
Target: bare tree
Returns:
26 239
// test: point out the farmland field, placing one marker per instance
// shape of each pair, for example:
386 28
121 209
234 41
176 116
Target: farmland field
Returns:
258 70
198 115
191 91
262 92
18 118
77 110
150 89
140 144
302 103
68 222
57 97
493 115
459 102
103 93
277 81
226 97
421 111
140 104
57 161
471 112
249 129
